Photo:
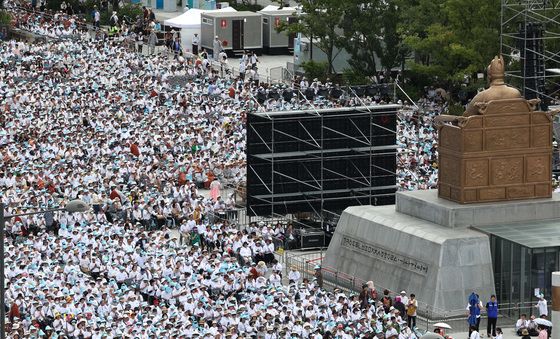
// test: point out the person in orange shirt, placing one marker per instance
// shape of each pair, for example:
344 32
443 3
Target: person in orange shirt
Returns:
197 215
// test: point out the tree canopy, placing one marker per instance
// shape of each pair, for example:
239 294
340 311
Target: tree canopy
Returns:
320 21
442 40
450 39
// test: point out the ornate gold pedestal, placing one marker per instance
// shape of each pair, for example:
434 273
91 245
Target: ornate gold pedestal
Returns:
504 153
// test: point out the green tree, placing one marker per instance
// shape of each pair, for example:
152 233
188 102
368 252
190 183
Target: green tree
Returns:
320 22
5 18
450 39
371 36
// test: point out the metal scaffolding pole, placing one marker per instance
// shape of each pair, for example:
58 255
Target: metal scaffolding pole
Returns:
529 40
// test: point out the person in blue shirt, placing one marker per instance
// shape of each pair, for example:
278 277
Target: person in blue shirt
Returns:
176 47
492 311
473 309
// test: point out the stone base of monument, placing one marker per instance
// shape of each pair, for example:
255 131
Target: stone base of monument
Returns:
441 264
426 205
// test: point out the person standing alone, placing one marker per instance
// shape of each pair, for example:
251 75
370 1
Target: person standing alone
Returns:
542 306
152 41
217 48
195 42
492 311
96 17
411 311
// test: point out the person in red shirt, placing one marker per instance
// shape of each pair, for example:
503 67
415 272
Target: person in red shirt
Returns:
134 149
14 312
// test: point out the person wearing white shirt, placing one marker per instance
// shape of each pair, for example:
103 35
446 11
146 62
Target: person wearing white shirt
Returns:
245 253
184 233
499 333
392 333
474 333
195 42
542 306
275 279
521 324
404 297
294 275
277 267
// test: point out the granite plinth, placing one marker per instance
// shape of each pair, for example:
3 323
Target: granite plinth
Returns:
427 206
441 265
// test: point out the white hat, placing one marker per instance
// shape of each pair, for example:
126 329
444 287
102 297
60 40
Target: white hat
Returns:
403 292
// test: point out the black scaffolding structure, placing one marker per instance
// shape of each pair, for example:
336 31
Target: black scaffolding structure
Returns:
320 161
529 39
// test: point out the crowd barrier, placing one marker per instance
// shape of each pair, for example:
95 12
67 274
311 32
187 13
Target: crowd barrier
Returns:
428 315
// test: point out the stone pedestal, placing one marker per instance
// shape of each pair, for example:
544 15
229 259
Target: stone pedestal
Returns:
428 206
441 262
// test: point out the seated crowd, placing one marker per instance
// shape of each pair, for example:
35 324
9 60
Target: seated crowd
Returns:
137 137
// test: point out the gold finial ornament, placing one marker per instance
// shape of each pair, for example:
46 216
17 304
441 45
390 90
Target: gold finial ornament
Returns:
497 90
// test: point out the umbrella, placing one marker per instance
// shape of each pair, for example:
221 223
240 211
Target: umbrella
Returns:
442 325
430 335
543 322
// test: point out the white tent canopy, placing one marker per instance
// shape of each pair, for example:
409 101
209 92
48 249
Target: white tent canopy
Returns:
191 18
272 8
189 23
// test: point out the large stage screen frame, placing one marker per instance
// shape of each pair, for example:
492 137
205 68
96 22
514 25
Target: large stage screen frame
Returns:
320 160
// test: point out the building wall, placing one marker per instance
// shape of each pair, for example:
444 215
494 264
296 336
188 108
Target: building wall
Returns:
273 38
253 32
266 30
207 31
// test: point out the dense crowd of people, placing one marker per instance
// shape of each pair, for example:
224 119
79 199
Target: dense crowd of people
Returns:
137 137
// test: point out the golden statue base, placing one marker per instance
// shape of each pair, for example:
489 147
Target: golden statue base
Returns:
503 153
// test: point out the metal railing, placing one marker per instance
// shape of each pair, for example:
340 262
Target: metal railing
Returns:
281 74
233 71
276 74
293 69
18 9
428 315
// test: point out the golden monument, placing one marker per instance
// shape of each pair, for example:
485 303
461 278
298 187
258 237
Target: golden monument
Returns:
499 150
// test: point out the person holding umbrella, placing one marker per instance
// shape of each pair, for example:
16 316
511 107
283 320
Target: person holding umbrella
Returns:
532 326
543 325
